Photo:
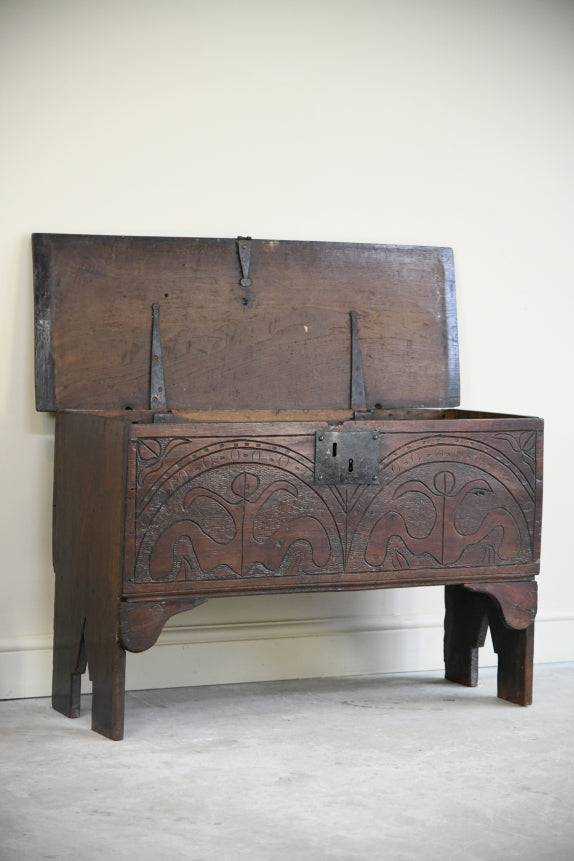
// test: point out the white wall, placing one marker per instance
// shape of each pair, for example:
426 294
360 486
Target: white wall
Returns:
435 122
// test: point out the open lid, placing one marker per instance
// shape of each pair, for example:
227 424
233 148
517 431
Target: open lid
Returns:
245 324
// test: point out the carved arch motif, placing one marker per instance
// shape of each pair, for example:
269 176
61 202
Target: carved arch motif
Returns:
248 509
235 511
446 502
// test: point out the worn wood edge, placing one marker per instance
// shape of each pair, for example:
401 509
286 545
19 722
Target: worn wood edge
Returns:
272 424
321 583
537 545
451 341
107 237
43 353
410 419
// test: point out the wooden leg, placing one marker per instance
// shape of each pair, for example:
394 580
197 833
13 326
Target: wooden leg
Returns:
509 609
76 646
465 627
515 650
107 669
89 493
69 656
68 666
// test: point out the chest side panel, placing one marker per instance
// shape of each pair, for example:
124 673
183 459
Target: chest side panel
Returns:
242 513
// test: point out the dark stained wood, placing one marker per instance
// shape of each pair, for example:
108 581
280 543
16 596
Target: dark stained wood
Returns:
233 507
517 602
284 343
216 508
141 622
152 519
509 610
332 416
511 619
465 627
44 355
515 650
89 483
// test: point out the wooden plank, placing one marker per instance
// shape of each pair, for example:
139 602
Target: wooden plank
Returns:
89 498
284 342
44 357
220 508
225 423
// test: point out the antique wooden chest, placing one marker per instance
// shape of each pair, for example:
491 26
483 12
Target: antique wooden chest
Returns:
238 417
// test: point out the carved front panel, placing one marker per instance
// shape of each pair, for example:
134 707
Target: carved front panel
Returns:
452 501
246 509
229 509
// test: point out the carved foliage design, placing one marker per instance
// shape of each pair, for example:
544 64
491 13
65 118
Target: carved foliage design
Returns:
520 448
248 509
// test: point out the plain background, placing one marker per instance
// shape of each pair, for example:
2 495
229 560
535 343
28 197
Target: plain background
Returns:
427 122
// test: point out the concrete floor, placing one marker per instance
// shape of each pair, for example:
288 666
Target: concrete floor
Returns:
379 767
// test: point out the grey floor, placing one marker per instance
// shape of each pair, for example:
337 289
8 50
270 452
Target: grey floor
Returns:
389 767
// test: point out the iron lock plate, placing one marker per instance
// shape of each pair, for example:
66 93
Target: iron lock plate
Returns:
347 457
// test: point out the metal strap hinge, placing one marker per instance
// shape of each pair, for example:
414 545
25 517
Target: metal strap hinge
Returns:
244 251
358 391
157 397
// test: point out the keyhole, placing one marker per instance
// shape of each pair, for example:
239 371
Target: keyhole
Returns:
334 449
351 465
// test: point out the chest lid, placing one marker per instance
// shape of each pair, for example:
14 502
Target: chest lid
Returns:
245 324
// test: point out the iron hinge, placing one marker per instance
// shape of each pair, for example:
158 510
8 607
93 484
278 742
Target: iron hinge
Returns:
157 396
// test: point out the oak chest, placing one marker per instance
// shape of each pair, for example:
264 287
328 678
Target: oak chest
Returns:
239 416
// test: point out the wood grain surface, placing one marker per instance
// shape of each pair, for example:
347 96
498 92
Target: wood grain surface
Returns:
89 499
231 507
284 342
152 519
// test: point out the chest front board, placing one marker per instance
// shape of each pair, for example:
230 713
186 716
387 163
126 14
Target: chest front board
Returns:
221 508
